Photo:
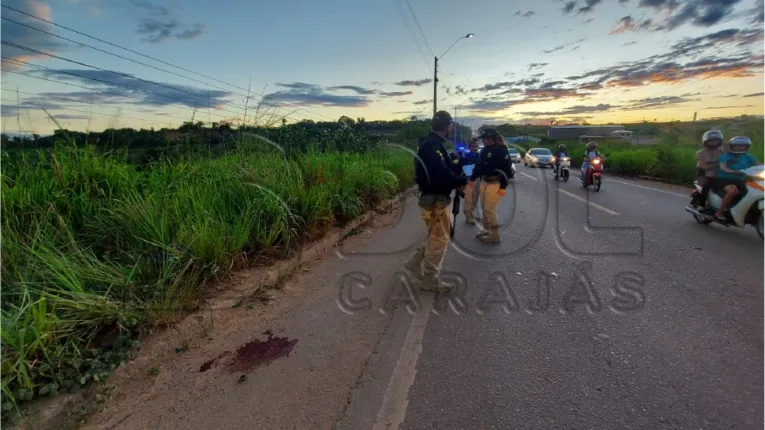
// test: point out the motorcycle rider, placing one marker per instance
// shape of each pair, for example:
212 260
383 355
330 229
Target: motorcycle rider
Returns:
560 152
590 153
707 162
729 175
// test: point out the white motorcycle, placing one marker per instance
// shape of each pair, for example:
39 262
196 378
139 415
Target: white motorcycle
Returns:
561 170
747 209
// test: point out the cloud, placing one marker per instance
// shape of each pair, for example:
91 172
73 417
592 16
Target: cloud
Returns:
422 102
754 95
562 47
676 13
568 7
159 25
127 89
732 36
356 89
589 6
535 65
573 110
629 43
682 62
525 14
727 107
415 83
304 94
25 36
395 93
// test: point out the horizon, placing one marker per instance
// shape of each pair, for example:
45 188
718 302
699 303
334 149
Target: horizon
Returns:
665 60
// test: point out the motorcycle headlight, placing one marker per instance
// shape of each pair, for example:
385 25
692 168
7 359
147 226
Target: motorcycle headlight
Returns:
595 161
761 175
565 159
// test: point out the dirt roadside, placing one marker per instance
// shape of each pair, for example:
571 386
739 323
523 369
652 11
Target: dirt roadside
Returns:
284 358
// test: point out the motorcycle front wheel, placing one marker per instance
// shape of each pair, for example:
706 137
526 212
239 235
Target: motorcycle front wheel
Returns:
597 185
759 225
565 176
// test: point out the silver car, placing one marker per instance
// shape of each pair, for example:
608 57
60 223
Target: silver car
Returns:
539 157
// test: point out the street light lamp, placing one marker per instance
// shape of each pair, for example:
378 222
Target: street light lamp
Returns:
435 71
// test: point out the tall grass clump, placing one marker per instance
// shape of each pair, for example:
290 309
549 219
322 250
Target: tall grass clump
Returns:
94 248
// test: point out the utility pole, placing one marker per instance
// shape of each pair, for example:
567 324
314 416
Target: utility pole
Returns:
435 85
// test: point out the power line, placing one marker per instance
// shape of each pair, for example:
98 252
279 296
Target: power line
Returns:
420 28
97 80
413 34
79 63
148 57
81 101
117 55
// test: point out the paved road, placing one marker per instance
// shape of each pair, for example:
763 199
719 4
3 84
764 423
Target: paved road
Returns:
652 322
673 338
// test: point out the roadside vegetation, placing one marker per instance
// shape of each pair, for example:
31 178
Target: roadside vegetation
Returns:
672 159
106 236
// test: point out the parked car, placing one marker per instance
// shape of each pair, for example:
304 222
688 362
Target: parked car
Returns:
514 154
539 157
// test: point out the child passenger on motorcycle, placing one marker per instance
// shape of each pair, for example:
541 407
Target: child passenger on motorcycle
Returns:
730 176
707 162
559 153
591 153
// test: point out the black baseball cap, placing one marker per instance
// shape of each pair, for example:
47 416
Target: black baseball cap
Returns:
489 132
441 119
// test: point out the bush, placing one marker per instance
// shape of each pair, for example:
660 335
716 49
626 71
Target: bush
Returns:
93 245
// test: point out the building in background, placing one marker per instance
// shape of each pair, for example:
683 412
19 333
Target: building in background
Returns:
579 131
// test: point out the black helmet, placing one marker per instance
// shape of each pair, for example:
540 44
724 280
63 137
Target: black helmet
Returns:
592 145
712 139
739 144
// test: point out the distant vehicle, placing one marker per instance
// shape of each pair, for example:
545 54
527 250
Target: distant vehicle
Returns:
539 157
514 154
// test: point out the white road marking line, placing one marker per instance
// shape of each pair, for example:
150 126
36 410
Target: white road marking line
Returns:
652 189
529 176
583 200
393 410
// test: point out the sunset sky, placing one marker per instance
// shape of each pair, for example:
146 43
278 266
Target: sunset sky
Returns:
595 60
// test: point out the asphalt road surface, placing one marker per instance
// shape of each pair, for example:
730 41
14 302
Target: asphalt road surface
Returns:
673 337
607 310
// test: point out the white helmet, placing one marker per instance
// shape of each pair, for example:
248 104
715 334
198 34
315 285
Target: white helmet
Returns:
739 144
712 135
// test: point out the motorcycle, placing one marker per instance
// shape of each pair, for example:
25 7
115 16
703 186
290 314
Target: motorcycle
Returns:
594 174
747 209
561 169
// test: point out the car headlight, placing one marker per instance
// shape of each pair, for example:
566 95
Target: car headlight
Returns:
552 159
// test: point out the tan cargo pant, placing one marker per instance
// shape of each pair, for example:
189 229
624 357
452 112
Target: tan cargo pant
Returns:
436 215
471 202
489 204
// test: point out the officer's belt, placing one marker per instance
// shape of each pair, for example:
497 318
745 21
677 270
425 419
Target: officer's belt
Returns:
491 178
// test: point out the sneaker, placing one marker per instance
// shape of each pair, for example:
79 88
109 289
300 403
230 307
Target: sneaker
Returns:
481 234
469 220
488 238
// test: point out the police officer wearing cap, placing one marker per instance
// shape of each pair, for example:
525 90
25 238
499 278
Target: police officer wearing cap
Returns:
494 170
437 179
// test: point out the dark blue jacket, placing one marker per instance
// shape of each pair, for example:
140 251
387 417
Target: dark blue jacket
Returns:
494 161
433 168
470 158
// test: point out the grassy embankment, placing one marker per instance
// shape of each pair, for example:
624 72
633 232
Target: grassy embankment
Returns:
671 160
93 245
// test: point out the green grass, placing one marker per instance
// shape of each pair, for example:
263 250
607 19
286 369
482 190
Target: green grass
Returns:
672 159
92 245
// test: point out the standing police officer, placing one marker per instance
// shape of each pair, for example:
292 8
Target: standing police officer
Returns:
436 178
494 169
471 193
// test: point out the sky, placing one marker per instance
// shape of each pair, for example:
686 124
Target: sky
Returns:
158 63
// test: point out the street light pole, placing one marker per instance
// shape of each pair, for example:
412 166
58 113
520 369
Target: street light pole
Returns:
435 72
